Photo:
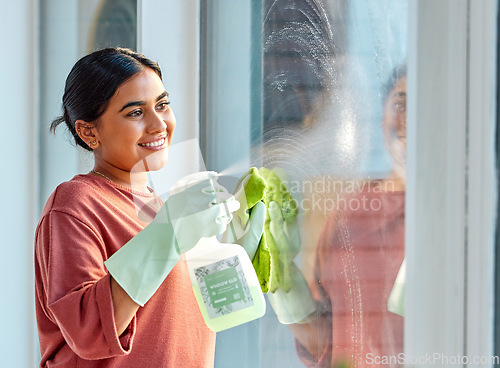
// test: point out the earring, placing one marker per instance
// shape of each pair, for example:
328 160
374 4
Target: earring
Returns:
94 143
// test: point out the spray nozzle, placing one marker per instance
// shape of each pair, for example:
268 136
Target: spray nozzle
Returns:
212 189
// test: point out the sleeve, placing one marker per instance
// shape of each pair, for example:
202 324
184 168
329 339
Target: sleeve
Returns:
321 328
78 289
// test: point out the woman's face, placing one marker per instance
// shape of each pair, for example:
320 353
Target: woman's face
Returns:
394 124
137 123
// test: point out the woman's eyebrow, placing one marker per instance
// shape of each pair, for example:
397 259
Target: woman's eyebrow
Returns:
165 93
142 103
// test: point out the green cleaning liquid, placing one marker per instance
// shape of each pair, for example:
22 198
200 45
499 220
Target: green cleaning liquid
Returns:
225 284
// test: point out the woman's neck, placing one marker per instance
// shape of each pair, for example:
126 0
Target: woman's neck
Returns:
134 180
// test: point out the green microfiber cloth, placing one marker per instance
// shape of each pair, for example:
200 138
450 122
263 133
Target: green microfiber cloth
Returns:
264 185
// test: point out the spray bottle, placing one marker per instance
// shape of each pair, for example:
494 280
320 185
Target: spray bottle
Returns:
224 282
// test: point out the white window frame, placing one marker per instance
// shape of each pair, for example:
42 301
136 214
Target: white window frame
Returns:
451 188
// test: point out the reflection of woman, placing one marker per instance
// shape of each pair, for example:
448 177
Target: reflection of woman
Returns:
394 123
358 257
90 286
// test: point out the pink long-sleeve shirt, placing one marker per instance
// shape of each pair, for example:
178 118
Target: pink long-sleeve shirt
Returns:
358 257
84 222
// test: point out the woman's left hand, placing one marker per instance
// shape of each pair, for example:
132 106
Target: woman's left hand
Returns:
247 235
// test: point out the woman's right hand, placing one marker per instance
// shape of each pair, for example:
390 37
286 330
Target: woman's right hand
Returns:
198 207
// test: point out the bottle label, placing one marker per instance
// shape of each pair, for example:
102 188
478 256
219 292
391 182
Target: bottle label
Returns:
223 287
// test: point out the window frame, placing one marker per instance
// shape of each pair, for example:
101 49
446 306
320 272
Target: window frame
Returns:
451 178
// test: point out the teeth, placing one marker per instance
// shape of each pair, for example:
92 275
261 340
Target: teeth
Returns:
153 144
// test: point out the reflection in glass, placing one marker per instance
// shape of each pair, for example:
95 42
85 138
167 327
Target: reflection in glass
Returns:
330 76
334 118
116 25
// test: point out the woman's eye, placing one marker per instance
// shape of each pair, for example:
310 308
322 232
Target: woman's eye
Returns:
400 106
162 105
135 113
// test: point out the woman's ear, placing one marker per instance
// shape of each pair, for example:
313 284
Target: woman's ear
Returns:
87 132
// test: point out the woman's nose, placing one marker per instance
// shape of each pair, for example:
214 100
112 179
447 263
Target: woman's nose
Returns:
157 122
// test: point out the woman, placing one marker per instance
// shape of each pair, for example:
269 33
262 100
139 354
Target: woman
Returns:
90 288
358 256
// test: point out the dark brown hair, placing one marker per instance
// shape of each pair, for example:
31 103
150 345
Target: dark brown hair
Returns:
92 82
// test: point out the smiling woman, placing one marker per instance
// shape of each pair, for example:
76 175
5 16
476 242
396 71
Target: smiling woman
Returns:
97 260
124 123
137 122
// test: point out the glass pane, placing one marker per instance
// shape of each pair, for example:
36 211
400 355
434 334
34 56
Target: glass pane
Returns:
116 24
69 30
332 87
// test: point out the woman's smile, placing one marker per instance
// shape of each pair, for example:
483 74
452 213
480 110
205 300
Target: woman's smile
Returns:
156 144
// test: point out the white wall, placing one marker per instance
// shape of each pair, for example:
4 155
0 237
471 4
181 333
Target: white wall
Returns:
19 97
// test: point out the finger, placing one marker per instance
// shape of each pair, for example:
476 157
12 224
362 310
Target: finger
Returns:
242 182
230 204
229 235
186 204
251 239
258 218
240 189
236 228
222 219
193 180
275 213
221 197
276 227
210 222
225 211
293 236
